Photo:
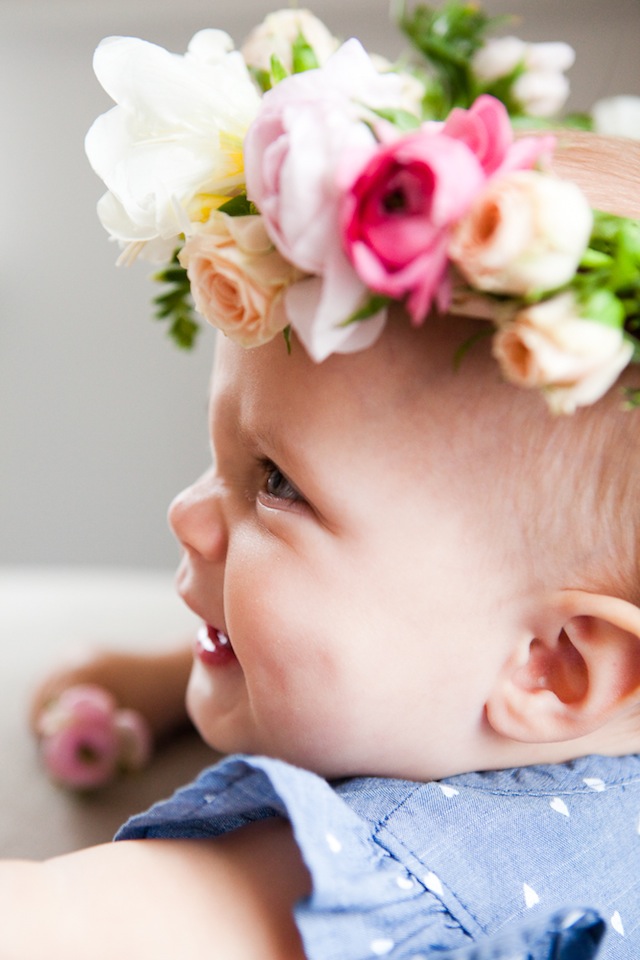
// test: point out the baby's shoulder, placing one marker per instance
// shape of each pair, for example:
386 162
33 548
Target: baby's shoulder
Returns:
437 864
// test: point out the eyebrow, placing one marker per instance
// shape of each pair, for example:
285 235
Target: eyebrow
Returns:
271 443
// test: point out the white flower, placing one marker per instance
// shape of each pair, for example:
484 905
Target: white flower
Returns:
498 58
526 232
541 93
541 89
171 150
617 117
552 346
554 57
277 33
411 90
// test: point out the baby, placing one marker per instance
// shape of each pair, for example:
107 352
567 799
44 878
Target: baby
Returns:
418 581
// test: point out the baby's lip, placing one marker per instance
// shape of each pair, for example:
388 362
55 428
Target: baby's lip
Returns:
213 646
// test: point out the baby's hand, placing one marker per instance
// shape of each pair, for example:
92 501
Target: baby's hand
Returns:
86 739
100 714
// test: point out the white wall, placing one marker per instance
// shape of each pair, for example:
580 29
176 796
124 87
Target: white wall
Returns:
101 419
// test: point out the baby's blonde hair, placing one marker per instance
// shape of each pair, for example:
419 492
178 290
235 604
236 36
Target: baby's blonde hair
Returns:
589 467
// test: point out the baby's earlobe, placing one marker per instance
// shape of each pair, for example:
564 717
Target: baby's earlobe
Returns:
582 673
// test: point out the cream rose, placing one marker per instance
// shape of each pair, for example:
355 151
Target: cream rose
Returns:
278 32
553 346
237 278
526 232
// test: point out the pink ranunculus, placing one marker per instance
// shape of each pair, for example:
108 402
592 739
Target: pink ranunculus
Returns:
486 129
401 204
398 212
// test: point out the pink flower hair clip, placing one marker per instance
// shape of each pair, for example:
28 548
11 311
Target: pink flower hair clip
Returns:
305 185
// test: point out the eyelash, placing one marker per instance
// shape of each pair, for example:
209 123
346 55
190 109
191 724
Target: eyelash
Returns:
271 471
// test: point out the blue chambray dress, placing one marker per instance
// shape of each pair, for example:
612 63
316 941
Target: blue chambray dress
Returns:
489 866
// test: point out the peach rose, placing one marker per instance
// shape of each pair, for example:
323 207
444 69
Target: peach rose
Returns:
237 278
525 232
553 345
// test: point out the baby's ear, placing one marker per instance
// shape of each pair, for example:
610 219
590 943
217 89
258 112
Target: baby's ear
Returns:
577 675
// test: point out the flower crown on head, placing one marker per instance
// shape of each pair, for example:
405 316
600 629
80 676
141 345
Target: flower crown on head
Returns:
302 184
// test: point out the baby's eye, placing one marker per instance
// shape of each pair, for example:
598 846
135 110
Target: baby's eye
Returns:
277 486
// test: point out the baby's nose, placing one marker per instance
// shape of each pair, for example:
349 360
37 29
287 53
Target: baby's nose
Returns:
195 517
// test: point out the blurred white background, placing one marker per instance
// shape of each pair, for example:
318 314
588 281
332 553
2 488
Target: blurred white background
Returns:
101 419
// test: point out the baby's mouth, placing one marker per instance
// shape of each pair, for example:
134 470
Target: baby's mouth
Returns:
213 647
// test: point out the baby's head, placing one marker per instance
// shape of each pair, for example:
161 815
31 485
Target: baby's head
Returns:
420 568
416 552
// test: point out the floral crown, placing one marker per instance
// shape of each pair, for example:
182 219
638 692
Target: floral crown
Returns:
300 184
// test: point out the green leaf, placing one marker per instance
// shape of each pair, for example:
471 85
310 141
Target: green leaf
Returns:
447 37
303 55
595 260
632 398
402 119
374 304
175 304
602 306
278 70
464 348
261 77
239 206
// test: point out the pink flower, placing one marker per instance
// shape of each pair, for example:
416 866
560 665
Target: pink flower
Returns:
399 211
79 742
86 740
400 207
486 129
293 152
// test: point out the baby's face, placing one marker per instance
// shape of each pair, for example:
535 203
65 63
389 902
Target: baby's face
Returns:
345 560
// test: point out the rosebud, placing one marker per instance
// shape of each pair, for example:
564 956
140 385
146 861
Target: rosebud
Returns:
559 345
617 117
498 58
86 740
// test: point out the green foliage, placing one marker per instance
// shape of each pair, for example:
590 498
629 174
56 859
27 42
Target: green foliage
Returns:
239 206
278 70
401 119
632 398
303 57
175 304
303 54
447 37
608 281
374 304
261 77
